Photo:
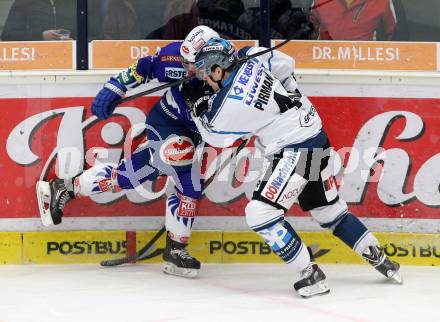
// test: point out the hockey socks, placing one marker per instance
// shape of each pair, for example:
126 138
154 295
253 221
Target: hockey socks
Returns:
354 233
286 243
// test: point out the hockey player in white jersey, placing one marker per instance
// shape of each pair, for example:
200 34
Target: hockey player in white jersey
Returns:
260 97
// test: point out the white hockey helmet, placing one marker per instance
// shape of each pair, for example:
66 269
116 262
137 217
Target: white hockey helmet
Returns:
194 41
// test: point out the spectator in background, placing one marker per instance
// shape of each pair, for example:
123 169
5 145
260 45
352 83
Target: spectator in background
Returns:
354 19
287 21
222 15
180 17
120 20
40 20
183 15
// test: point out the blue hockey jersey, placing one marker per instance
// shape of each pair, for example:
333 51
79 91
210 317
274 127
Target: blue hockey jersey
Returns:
166 66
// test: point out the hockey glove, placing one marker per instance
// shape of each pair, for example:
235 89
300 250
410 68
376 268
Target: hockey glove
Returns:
196 95
105 101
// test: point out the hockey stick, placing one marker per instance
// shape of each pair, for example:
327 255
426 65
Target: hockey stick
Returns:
185 79
140 254
144 253
152 90
246 58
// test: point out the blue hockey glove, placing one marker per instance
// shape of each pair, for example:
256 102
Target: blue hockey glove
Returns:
105 101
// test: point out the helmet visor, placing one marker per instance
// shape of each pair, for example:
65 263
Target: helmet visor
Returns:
201 69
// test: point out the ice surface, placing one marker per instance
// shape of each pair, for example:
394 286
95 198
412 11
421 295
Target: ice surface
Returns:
230 292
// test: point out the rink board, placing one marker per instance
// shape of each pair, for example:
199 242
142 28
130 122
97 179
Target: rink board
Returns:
51 137
69 247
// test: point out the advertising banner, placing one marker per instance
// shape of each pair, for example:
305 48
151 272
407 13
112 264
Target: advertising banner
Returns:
109 54
74 247
364 55
388 146
69 247
11 248
37 55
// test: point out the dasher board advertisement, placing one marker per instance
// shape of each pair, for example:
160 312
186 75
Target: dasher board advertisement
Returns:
109 54
363 55
388 146
79 247
38 55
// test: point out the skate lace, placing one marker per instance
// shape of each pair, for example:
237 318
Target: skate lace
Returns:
306 272
64 198
182 253
374 255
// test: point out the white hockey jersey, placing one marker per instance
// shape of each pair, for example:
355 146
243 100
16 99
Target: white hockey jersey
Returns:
260 98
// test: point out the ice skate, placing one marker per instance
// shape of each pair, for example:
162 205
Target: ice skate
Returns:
377 258
178 261
312 282
52 196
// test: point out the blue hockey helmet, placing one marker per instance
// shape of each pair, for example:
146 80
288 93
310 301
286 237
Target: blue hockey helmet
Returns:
217 52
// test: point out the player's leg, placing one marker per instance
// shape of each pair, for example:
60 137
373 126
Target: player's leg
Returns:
278 188
53 195
173 147
320 197
181 209
356 235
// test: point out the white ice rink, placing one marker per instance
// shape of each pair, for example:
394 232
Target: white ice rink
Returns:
227 293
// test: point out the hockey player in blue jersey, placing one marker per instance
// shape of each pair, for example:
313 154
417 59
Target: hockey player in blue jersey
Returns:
171 141
260 97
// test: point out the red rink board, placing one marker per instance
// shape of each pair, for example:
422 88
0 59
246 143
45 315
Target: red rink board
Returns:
343 119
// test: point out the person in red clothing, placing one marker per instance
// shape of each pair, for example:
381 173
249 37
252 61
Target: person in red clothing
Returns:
354 19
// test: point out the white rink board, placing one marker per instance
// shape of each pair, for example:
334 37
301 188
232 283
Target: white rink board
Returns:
15 84
210 223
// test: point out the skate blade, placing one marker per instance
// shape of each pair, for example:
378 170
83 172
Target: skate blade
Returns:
396 277
42 189
171 269
319 288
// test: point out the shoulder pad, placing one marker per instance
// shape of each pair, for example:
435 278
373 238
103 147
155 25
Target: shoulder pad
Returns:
243 51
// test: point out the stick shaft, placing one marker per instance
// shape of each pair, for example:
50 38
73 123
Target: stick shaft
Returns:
185 79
